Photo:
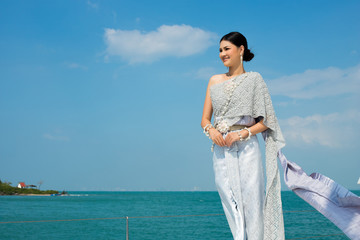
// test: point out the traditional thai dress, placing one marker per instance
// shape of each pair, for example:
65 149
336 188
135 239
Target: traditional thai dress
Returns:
252 212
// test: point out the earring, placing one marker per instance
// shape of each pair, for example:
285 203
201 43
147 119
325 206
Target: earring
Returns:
241 59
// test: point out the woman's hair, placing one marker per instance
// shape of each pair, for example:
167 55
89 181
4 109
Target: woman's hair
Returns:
238 39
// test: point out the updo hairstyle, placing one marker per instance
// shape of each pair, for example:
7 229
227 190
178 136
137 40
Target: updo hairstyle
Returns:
238 39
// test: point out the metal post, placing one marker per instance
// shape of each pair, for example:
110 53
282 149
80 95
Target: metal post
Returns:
127 228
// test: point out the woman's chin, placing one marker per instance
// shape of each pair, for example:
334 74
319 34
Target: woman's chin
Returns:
226 64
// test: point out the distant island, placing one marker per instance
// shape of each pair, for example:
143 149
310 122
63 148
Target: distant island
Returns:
7 189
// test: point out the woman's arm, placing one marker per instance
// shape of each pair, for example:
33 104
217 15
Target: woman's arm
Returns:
255 129
214 134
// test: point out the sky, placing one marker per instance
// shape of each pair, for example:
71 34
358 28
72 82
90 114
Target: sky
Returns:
108 95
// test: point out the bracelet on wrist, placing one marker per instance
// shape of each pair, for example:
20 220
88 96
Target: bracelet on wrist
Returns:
248 129
207 128
241 137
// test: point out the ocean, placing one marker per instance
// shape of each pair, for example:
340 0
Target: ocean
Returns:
152 215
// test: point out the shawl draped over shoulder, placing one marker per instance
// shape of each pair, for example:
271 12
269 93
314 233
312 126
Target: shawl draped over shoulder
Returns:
251 98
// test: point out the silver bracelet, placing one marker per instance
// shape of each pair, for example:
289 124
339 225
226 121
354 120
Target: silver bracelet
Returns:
248 129
207 128
241 138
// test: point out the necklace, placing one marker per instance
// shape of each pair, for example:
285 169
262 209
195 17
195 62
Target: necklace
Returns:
233 76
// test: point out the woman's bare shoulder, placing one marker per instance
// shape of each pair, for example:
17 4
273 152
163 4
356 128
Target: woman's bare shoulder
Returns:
217 78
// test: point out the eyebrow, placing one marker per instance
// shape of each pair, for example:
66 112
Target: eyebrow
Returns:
225 46
220 49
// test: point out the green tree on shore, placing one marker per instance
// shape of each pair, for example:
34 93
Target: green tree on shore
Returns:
7 189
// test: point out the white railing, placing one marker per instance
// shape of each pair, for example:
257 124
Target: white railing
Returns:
167 216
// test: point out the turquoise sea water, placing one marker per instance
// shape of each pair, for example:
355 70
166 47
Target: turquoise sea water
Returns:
89 205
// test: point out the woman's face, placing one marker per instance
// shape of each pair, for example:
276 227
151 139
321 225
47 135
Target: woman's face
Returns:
230 53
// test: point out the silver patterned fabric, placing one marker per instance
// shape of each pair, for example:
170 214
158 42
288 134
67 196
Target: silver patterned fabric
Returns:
251 98
239 180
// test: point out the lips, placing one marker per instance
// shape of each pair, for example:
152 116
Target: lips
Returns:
225 59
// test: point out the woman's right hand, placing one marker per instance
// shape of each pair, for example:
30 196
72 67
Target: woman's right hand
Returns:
216 137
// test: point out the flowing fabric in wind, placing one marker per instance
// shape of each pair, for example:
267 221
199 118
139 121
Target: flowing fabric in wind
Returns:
335 202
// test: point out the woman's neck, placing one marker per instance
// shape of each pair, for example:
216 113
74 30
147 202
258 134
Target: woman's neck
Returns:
233 71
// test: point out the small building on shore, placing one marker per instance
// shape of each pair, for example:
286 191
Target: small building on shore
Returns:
21 185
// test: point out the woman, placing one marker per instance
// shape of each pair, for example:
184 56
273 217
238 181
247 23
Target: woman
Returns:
242 107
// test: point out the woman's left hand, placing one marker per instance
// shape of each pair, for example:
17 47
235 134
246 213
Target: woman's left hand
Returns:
232 137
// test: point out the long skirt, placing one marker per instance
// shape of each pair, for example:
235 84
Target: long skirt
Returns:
239 179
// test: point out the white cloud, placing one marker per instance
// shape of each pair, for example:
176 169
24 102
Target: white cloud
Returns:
176 40
314 83
332 130
55 138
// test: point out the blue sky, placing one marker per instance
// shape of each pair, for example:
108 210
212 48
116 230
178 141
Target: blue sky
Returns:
108 95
